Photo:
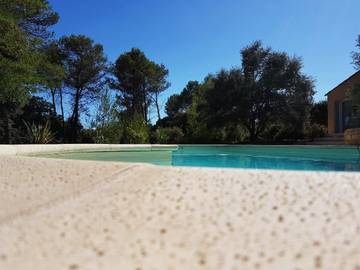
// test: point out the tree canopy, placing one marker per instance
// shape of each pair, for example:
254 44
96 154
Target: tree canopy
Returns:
356 54
138 82
85 65
268 88
23 29
266 98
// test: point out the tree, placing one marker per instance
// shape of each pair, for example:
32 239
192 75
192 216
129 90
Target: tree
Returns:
319 113
38 120
8 129
269 87
53 73
106 125
23 29
179 103
135 130
36 111
138 82
32 16
177 107
106 110
85 66
169 135
356 54
276 89
223 99
159 84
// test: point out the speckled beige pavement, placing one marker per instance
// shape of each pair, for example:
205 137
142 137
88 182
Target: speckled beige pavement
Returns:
57 214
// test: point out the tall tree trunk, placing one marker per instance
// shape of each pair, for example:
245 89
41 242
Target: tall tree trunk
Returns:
53 93
62 114
75 117
145 107
62 109
157 105
252 131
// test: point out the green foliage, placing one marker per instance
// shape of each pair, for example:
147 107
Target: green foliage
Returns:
356 54
267 98
354 95
138 82
85 65
32 16
52 70
273 133
23 29
235 135
179 103
106 125
319 113
135 130
39 134
106 111
87 135
36 111
110 133
9 131
268 87
170 135
281 133
313 131
178 107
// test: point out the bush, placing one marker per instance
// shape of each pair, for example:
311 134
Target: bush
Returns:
135 130
271 133
319 113
110 133
171 135
39 134
87 136
280 133
312 131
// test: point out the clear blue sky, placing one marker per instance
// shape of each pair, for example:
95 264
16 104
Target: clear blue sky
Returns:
195 37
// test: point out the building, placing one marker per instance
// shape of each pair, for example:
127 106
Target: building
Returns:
339 105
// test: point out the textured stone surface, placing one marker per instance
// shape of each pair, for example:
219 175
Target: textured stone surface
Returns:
24 149
57 214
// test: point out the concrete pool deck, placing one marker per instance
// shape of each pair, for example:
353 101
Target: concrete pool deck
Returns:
67 214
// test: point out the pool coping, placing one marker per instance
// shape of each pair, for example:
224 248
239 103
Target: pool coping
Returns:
41 150
33 149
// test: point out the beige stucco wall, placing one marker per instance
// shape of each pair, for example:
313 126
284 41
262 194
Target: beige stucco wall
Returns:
339 94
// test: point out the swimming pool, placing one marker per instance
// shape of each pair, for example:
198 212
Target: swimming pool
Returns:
314 158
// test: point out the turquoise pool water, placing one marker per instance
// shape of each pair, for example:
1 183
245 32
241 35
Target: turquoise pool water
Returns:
330 158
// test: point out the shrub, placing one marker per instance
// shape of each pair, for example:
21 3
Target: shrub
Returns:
319 113
135 130
39 134
110 133
87 136
312 131
169 135
280 133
